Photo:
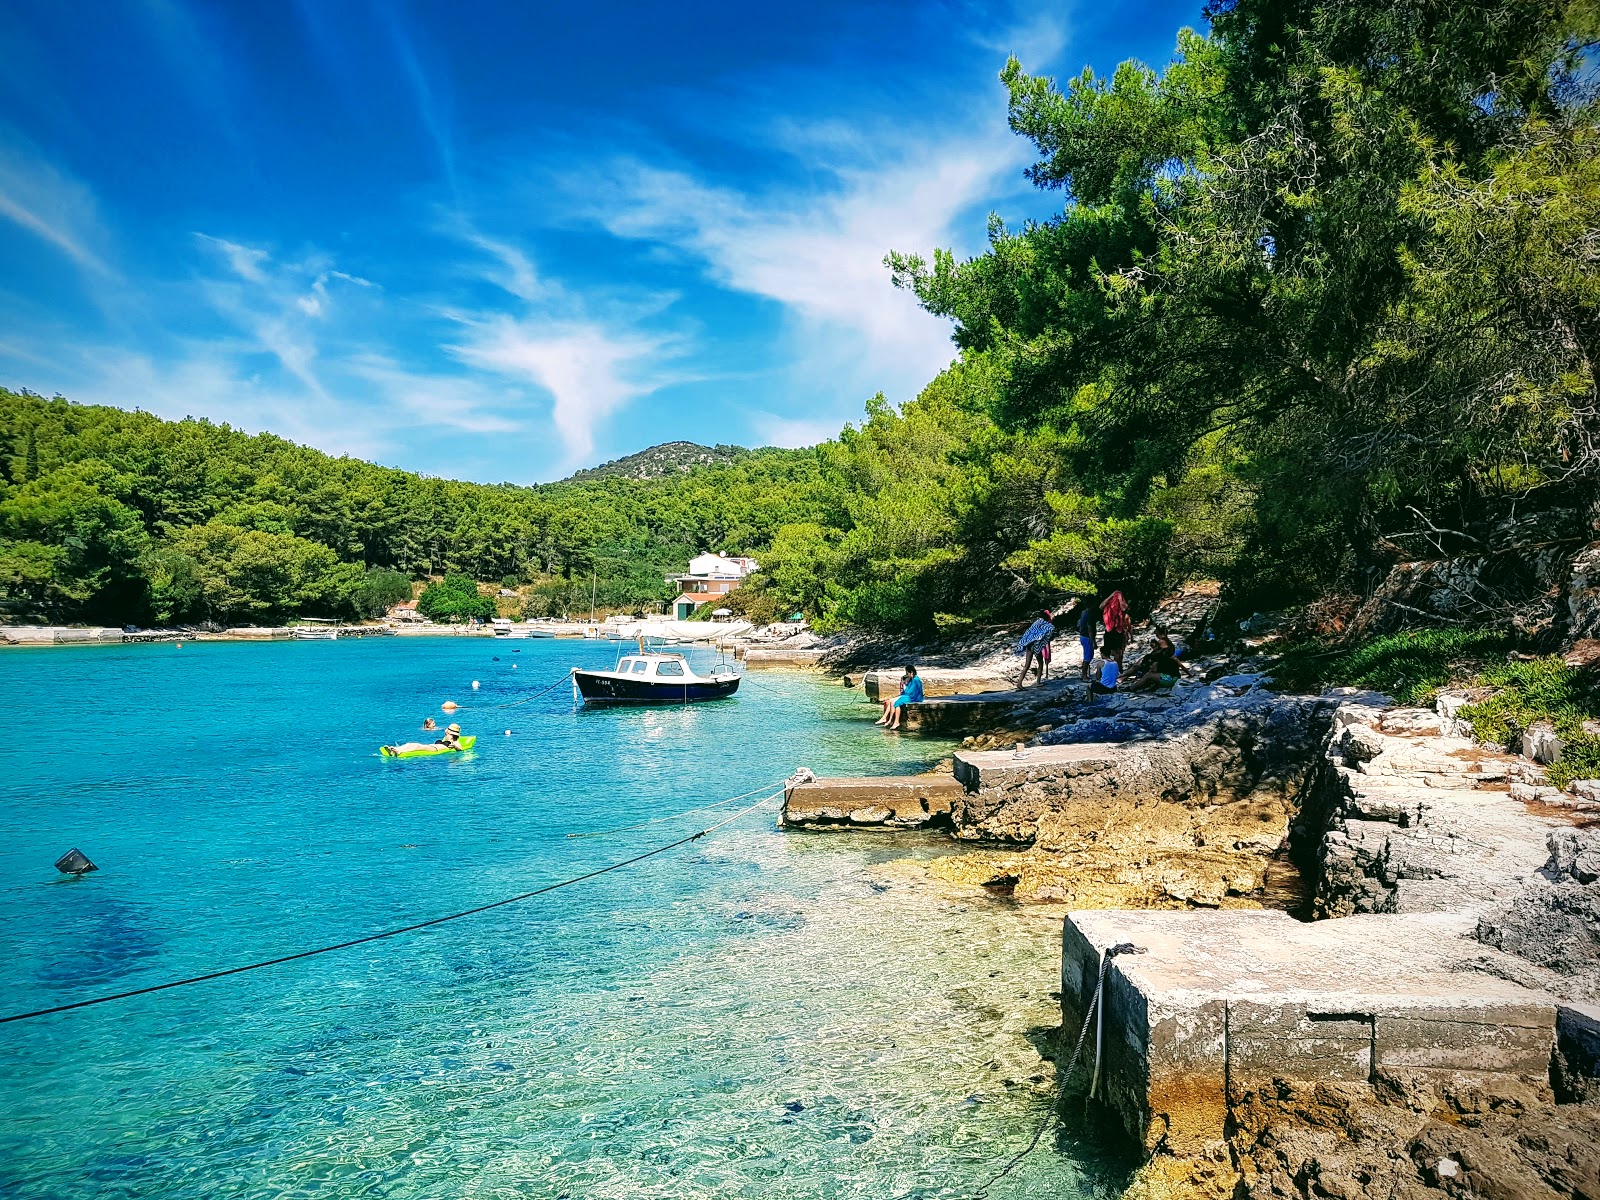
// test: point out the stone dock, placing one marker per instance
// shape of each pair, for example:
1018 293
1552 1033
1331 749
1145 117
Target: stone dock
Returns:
883 802
936 682
1226 1002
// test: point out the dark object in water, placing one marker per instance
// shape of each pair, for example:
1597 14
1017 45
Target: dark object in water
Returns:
75 862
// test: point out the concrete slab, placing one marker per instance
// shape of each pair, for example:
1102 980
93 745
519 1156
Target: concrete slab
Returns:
936 681
979 770
763 658
884 802
958 714
1230 1000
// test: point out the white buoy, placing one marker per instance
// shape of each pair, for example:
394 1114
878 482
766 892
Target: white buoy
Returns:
508 733
474 685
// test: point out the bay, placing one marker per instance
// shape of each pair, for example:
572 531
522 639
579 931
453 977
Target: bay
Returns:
754 1014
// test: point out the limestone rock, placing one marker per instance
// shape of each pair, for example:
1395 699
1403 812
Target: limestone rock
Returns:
1583 594
1542 744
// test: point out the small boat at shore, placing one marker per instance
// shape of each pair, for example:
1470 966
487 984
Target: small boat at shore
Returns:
653 678
321 632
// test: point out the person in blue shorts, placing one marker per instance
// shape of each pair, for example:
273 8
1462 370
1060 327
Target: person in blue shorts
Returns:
911 693
1088 626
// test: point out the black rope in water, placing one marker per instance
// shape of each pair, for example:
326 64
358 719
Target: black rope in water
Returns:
525 700
388 933
686 812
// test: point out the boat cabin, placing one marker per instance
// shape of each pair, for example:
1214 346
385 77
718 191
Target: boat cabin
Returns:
654 666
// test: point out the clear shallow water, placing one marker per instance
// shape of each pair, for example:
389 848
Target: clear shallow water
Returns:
756 1015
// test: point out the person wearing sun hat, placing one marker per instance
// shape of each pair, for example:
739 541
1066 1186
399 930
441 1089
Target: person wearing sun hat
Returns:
452 737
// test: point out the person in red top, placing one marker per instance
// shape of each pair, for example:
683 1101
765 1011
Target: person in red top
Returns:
1114 616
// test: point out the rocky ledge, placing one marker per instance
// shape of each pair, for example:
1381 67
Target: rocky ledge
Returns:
1435 1033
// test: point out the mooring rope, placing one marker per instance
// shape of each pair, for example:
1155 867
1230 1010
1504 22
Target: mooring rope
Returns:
525 700
686 812
1093 1013
388 933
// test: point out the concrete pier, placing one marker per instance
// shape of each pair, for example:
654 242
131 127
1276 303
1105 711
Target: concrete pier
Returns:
936 681
56 635
885 802
761 657
1221 1002
957 714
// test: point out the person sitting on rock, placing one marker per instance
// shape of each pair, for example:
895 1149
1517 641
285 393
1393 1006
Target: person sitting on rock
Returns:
890 701
1158 669
1110 671
911 694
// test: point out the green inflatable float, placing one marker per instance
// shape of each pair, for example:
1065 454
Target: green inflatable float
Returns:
417 750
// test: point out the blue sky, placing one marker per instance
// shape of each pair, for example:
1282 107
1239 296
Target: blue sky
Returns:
498 241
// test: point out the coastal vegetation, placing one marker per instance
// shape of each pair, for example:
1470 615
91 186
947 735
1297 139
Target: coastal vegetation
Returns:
1323 294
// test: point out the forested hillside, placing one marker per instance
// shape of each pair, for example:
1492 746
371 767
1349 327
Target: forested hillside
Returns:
1323 289
116 516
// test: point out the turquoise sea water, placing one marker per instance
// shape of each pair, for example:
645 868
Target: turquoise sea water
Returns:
754 1015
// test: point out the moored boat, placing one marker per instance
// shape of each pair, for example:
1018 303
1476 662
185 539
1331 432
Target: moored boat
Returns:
654 679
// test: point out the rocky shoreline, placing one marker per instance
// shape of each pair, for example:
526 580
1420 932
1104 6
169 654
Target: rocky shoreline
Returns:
1426 1020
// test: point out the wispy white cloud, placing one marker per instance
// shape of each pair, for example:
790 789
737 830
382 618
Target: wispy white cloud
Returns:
820 253
439 400
590 369
52 206
773 430
216 382
245 261
1035 39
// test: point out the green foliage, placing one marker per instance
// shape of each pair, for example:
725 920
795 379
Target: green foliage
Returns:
1327 271
1411 667
381 590
1541 690
234 575
454 598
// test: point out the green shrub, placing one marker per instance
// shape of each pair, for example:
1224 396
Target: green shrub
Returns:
454 599
380 591
1410 666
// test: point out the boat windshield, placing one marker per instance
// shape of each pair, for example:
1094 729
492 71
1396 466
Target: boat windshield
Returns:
669 668
640 666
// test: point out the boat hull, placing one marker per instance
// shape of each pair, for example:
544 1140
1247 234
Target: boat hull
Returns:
603 688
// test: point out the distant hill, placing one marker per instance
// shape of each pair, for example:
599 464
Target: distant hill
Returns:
669 458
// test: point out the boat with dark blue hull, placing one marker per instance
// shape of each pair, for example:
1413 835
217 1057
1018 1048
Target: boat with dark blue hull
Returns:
654 679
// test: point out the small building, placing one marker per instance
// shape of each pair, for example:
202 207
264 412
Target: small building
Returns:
710 577
406 612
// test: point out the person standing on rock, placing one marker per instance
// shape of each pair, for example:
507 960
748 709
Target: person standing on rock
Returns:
1034 646
1114 616
1088 628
